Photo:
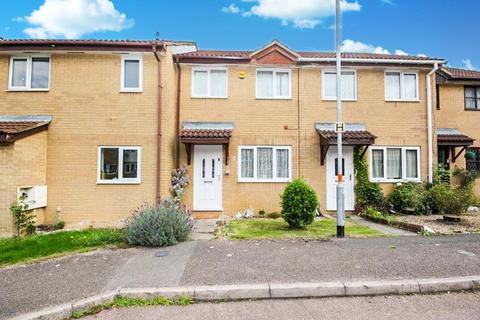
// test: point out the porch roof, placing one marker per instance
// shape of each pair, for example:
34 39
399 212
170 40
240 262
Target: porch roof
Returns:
206 132
453 137
13 128
355 134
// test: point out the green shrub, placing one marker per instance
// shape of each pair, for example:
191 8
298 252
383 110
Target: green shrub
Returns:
273 215
406 196
23 218
368 194
299 202
157 226
455 202
261 213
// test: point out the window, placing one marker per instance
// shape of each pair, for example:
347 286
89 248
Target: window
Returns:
132 74
209 83
401 86
119 165
273 84
29 73
264 164
472 156
394 164
349 85
472 98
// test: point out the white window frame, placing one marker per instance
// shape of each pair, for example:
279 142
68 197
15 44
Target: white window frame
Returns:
327 98
209 94
120 179
404 164
255 179
28 79
402 77
275 95
138 58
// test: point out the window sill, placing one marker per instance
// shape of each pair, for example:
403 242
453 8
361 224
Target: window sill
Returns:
274 98
107 182
343 100
472 109
264 180
208 97
131 91
403 100
27 90
395 180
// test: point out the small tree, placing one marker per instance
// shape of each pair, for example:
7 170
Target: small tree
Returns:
23 219
299 203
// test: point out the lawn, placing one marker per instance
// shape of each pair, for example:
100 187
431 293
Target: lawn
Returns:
275 229
14 250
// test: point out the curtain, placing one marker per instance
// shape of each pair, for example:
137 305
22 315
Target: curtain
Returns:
265 84
282 163
392 80
218 83
264 163
377 164
410 86
132 74
470 98
19 78
40 72
394 163
348 85
200 83
283 84
246 159
330 84
412 169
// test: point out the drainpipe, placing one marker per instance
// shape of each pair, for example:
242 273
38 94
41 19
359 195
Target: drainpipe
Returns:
429 122
155 48
177 115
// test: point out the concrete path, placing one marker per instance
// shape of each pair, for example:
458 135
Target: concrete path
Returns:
204 229
458 306
381 227
34 287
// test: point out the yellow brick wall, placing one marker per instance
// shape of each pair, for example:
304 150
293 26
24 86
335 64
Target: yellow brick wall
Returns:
7 185
262 122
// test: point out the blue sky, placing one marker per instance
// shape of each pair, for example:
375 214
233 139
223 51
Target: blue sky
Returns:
439 28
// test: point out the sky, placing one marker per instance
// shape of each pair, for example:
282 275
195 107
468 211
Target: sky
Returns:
437 28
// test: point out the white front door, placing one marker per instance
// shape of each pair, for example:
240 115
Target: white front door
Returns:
332 180
207 179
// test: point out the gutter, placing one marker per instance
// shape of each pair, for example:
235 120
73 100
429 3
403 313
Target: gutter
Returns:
390 61
429 122
158 196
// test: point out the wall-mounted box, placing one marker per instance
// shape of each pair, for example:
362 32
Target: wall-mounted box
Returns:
35 196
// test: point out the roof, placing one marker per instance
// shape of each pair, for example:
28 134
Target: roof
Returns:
460 74
205 133
354 134
206 130
453 137
13 128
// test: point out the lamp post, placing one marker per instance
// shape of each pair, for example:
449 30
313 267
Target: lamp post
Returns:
339 127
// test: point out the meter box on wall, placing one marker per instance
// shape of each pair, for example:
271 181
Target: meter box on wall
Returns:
34 196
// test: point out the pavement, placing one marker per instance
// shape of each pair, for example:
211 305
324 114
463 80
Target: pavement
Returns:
37 286
459 306
380 227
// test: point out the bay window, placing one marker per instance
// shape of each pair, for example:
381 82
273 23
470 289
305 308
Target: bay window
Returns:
401 86
349 85
209 83
30 73
118 165
394 164
273 84
264 164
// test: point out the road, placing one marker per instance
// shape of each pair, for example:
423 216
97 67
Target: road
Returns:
458 306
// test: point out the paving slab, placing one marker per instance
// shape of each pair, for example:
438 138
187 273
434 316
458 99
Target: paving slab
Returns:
381 227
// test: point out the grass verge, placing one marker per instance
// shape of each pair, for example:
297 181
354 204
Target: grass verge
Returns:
126 302
277 229
15 250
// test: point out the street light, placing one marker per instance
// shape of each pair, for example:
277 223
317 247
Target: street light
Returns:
339 127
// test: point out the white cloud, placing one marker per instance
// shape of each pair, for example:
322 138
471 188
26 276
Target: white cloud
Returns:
304 14
74 18
399 52
421 55
387 2
357 46
231 9
468 64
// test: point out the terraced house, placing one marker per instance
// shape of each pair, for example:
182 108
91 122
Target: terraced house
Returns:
91 129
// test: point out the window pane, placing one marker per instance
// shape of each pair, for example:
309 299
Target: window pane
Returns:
19 73
330 84
264 163
394 163
200 83
218 83
109 164
348 85
411 162
265 84
469 92
130 163
132 74
377 164
410 86
40 72
282 164
470 103
283 84
246 170
392 80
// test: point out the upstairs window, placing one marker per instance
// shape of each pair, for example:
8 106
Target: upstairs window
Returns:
472 98
29 73
349 85
401 86
273 84
472 156
118 165
132 74
264 164
394 164
209 83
